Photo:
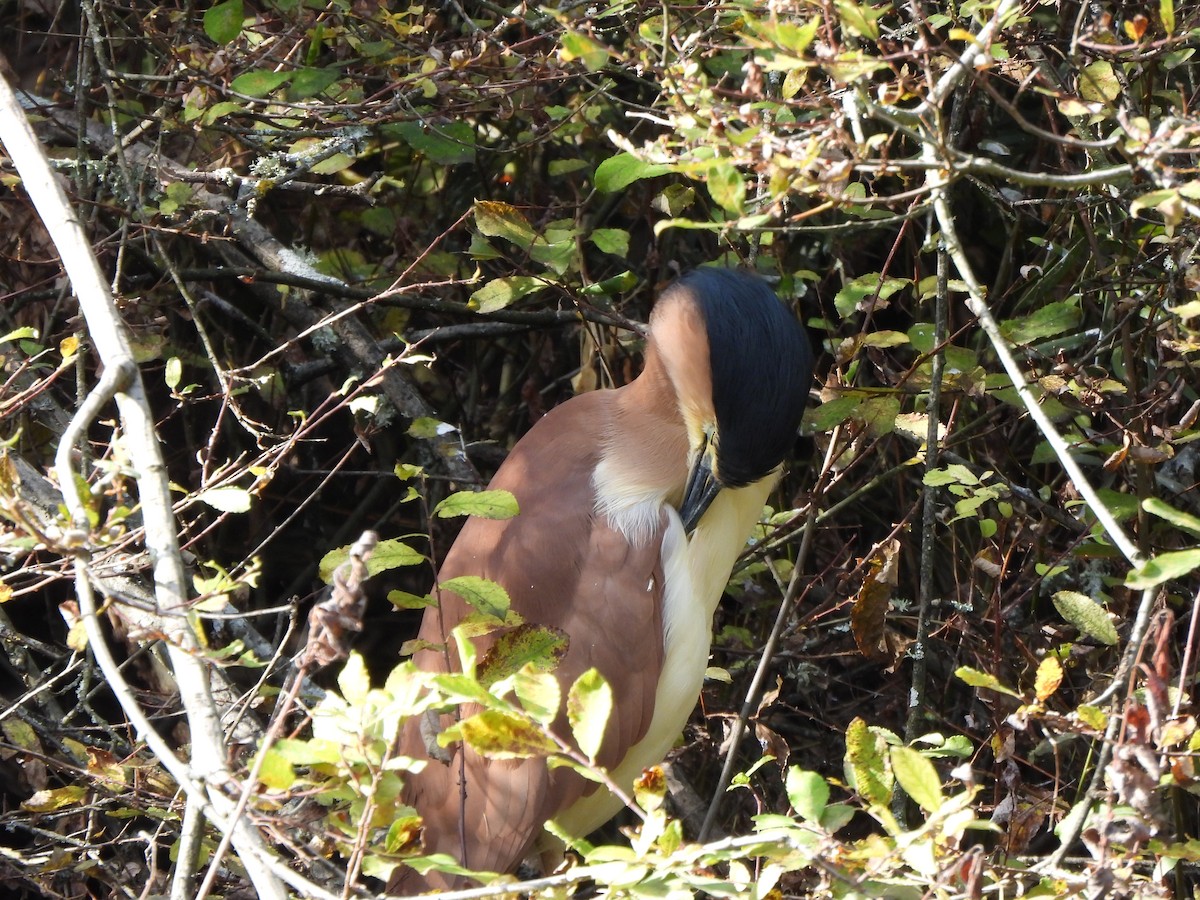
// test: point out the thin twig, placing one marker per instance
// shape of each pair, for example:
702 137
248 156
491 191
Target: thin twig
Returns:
768 652
930 500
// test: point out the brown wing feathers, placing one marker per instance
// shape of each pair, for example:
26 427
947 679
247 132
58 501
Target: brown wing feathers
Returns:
565 568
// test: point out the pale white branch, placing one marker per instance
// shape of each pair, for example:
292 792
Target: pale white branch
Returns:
208 772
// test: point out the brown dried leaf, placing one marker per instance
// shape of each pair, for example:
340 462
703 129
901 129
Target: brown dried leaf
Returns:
868 617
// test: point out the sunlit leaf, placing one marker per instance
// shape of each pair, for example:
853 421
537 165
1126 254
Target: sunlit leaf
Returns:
865 764
503 220
1098 82
1049 677
1047 321
612 240
537 646
1087 615
867 290
276 771
173 372
498 734
485 504
808 793
975 678
229 499
620 171
1166 14
726 186
1164 567
589 704
49 801
861 20
579 46
1179 519
353 680
919 778
481 593
501 293
389 554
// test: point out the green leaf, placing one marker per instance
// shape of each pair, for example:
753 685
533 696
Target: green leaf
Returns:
865 764
482 594
808 793
1179 519
405 600
618 284
229 499
19 334
497 734
919 778
726 186
485 504
173 372
675 199
308 753
884 339
1049 320
1166 12
1087 615
223 22
501 293
258 83
580 46
861 20
828 416
49 800
1167 203
392 554
975 678
389 554
589 704
354 681
276 771
863 289
952 474
449 144
1164 567
793 38
540 694
555 255
879 414
612 240
620 171
309 82
503 220
1098 82
218 111
538 647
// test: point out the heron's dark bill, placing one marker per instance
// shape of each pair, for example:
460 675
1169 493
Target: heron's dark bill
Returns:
702 488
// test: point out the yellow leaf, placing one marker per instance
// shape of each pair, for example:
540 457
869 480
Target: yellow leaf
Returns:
1049 677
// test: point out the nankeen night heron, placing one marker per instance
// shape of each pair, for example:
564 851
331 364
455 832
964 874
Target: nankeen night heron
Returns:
635 504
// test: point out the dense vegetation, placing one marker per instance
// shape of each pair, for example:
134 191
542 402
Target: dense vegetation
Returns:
359 247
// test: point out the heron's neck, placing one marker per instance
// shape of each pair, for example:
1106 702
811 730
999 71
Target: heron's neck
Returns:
643 462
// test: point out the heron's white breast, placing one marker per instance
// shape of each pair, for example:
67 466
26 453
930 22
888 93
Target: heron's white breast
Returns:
695 572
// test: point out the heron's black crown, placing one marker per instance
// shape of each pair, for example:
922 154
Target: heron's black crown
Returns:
761 365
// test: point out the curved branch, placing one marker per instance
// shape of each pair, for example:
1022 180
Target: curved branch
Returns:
123 379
